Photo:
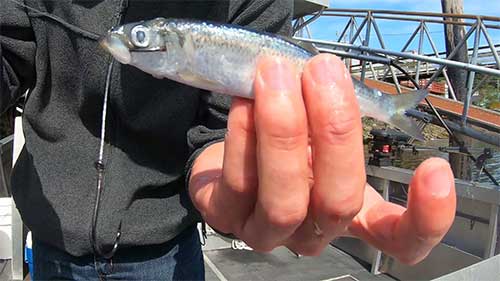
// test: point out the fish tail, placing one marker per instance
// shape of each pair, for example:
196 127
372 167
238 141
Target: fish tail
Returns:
402 103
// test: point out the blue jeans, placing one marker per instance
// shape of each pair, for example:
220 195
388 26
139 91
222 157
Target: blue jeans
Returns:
179 259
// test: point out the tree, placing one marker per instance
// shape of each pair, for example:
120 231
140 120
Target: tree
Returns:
454 34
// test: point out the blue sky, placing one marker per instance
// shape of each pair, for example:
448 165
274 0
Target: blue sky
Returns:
396 33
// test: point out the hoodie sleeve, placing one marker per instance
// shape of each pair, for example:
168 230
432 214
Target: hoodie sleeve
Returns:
17 52
273 16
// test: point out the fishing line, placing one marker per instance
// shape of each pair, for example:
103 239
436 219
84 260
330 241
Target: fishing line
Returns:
75 29
100 167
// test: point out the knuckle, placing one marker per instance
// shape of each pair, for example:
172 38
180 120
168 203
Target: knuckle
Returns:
285 217
285 131
342 211
285 143
286 136
239 183
339 129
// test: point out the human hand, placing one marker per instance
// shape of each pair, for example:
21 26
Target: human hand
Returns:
291 171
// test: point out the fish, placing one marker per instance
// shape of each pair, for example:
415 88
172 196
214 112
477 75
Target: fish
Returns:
223 58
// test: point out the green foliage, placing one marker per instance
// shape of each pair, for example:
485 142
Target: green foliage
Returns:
489 93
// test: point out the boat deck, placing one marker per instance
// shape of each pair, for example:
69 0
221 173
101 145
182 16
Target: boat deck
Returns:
222 262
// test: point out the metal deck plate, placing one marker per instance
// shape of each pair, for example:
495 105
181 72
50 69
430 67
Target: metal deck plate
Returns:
281 264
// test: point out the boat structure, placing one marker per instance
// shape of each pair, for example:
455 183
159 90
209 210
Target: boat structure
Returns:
471 248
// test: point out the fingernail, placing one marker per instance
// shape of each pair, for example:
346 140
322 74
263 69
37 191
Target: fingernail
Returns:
438 178
277 75
326 71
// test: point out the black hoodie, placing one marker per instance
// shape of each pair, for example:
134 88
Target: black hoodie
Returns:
155 128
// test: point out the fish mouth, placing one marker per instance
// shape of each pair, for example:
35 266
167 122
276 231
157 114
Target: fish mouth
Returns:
116 47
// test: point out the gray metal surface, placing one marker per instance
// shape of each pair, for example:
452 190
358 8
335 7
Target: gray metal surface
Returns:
17 245
281 264
17 223
6 145
472 235
442 260
477 191
487 270
222 263
377 256
491 242
468 235
475 228
304 7
5 272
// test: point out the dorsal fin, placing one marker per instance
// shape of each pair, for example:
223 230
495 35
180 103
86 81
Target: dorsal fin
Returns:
304 45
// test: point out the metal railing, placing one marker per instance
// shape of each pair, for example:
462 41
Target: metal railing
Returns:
360 31
473 236
363 46
355 41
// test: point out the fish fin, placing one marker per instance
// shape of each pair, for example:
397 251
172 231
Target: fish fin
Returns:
407 125
409 100
199 81
157 76
402 103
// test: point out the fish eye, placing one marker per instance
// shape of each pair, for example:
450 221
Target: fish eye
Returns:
139 36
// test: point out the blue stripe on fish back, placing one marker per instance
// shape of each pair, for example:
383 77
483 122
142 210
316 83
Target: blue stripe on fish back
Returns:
233 36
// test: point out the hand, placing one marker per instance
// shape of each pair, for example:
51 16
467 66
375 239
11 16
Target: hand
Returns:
291 171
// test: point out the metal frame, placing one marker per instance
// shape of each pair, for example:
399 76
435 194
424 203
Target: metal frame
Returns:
485 270
352 34
17 265
377 257
484 193
382 177
354 42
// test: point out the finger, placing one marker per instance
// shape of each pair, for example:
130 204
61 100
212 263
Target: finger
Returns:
202 181
230 200
337 143
410 235
237 193
282 141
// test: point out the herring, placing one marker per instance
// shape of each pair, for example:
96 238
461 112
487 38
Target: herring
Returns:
223 58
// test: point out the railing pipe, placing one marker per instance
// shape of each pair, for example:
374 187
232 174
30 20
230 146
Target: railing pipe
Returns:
442 62
366 43
472 74
490 44
445 72
410 13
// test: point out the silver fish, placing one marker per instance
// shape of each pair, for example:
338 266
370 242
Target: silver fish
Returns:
223 58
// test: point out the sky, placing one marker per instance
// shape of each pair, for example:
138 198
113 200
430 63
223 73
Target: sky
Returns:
396 33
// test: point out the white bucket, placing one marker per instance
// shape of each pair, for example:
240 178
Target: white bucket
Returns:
5 228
